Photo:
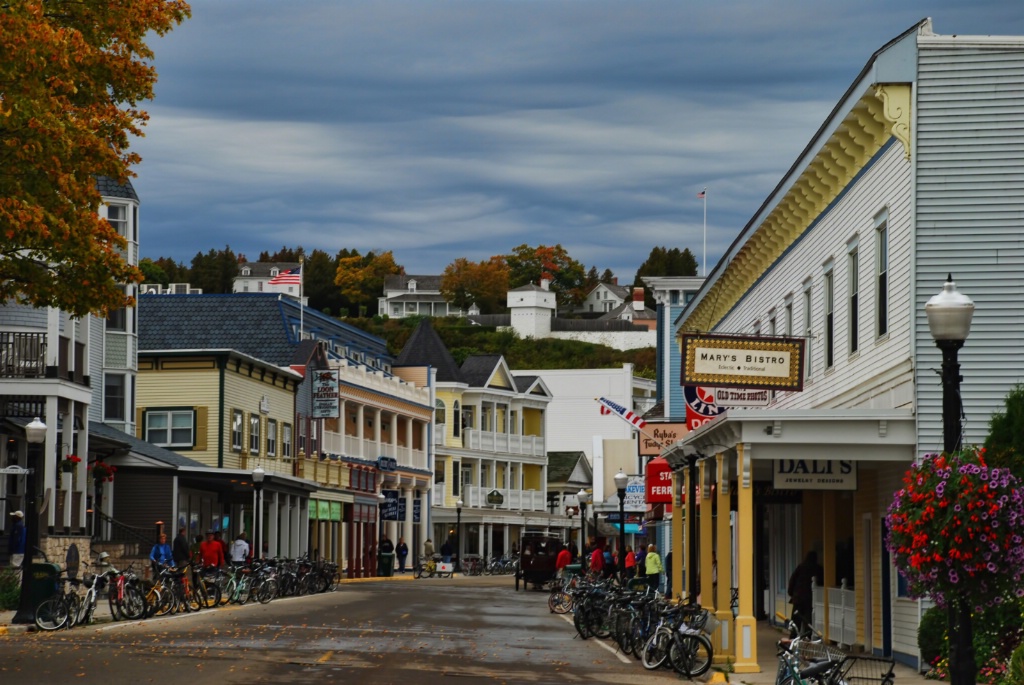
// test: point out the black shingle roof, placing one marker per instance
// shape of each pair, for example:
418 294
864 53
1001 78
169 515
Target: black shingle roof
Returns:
401 282
477 370
142 447
255 324
108 187
425 348
562 464
523 383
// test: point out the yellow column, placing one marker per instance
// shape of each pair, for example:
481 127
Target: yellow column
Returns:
677 534
706 524
723 552
746 626
828 543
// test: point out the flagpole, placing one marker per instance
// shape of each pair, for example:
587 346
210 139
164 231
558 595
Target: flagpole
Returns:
704 258
302 308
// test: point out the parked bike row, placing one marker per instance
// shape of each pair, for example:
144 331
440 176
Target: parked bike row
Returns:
806 658
184 589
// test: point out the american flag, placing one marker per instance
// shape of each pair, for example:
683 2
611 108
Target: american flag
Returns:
291 277
609 407
702 194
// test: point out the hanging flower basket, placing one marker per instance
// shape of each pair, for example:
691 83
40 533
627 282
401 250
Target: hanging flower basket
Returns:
103 472
69 463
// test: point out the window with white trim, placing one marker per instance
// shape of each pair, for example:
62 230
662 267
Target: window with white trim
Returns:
808 332
882 274
286 441
271 437
830 321
117 217
254 433
237 429
852 300
787 317
114 397
171 427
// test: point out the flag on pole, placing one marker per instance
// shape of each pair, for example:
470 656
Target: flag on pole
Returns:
609 407
291 277
702 194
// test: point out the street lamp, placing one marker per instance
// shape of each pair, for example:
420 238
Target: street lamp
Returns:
257 478
621 481
583 497
949 320
35 435
458 533
381 499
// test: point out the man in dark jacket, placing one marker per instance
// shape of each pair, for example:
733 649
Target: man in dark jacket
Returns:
801 594
18 539
181 553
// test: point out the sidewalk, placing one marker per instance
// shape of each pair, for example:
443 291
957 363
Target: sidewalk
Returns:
103 615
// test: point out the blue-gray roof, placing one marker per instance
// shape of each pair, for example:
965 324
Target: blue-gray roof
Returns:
425 348
141 447
108 187
261 325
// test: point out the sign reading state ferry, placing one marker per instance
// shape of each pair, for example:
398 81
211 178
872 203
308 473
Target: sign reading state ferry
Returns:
738 362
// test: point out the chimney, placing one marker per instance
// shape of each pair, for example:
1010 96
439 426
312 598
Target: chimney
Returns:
544 283
638 299
615 280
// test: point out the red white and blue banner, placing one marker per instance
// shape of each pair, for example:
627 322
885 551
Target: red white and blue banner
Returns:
609 407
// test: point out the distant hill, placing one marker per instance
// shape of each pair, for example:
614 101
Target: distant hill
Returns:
464 339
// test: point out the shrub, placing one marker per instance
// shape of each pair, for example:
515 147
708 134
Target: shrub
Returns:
931 634
10 588
1015 674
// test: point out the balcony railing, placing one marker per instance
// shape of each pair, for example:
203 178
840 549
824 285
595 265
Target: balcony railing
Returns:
352 446
508 443
23 355
517 500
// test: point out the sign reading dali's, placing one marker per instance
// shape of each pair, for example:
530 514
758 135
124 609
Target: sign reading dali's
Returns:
738 362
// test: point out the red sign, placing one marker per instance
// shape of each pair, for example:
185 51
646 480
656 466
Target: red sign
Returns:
659 482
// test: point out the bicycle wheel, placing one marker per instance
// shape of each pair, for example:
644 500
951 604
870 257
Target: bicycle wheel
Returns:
51 614
266 591
195 597
579 620
227 590
133 604
116 604
335 581
74 604
212 592
690 655
655 651
242 592
560 602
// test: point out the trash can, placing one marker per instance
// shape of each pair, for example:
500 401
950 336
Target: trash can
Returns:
387 564
574 569
43 582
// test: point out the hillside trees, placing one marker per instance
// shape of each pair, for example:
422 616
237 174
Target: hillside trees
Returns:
485 283
71 78
361 278
567 276
665 262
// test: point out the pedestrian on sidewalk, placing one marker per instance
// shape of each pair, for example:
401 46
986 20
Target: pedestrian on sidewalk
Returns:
210 552
160 555
654 568
181 552
403 554
239 550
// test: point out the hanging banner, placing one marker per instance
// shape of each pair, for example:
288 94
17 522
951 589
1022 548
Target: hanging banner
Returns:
393 507
325 395
701 406
661 436
659 481
742 397
636 492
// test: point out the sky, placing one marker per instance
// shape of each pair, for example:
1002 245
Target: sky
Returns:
440 129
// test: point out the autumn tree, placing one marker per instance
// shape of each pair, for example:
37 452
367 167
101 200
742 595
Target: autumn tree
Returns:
71 78
152 273
567 276
485 283
362 278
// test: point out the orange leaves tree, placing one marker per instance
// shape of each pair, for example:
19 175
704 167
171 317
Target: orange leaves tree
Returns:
72 75
361 279
485 283
568 277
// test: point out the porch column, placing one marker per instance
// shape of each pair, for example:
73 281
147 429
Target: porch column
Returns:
273 512
393 430
360 416
409 495
828 562
424 524
410 461
49 479
376 432
723 553
425 443
66 448
704 545
677 527
300 523
746 625
80 475
283 522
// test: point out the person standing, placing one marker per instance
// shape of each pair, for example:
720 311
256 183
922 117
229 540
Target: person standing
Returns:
630 563
446 551
641 567
160 555
18 539
563 559
218 536
668 574
239 550
403 552
181 553
211 553
652 561
801 593
597 561
428 550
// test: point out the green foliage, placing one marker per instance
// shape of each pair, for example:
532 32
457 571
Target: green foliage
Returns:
1005 442
931 635
214 271
10 588
665 262
152 272
1015 675
530 264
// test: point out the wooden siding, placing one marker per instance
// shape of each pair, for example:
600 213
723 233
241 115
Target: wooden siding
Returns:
244 391
143 499
868 378
181 387
970 218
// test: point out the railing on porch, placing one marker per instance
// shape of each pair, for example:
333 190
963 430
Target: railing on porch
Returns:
509 443
324 472
136 541
22 355
842 613
519 500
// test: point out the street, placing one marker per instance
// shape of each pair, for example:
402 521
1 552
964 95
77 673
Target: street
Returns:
476 629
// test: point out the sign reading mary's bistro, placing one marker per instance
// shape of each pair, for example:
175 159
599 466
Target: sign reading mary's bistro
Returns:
735 362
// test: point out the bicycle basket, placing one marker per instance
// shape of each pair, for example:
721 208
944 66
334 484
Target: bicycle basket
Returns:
808 651
861 670
711 625
88 580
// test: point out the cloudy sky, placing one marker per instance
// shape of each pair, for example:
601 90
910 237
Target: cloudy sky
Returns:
461 128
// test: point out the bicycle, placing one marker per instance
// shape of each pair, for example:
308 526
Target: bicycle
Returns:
67 609
680 641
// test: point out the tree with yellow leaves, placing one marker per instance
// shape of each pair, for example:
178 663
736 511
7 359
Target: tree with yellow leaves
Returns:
72 74
361 278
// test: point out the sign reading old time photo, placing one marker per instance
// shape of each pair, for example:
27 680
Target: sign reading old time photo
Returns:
740 362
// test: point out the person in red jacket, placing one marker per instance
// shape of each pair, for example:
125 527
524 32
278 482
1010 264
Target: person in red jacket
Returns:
563 559
211 552
597 560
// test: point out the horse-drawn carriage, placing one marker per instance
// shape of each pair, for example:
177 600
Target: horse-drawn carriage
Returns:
537 555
